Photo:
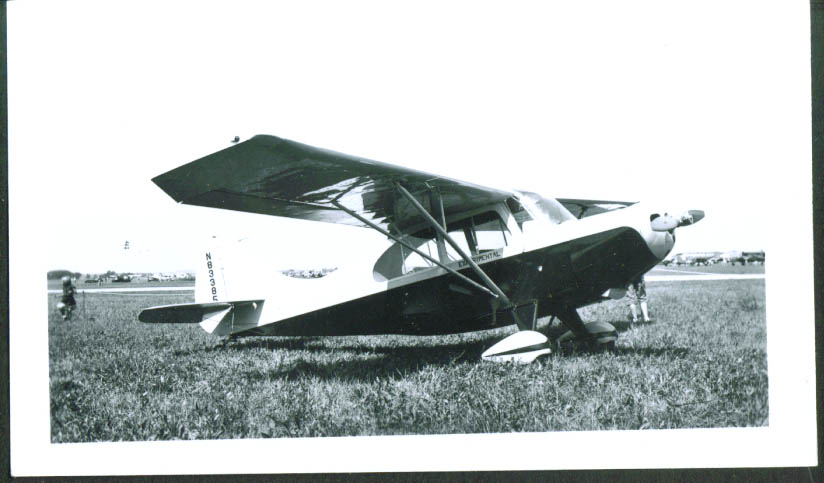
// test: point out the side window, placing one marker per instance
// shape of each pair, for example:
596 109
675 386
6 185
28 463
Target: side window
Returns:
412 262
491 234
476 235
479 234
458 233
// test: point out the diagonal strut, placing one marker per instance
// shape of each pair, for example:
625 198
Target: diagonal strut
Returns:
489 283
407 245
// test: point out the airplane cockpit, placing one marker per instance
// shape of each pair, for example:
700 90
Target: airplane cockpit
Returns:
490 231
499 229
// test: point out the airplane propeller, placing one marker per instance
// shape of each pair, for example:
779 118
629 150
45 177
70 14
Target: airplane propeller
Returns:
667 222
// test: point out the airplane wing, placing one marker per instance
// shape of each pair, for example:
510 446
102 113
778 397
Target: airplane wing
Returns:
274 176
584 208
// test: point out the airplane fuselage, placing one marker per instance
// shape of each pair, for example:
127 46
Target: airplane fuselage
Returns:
568 265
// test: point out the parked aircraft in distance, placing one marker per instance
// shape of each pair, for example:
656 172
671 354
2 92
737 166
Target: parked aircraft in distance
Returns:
161 277
734 256
122 277
754 257
464 257
693 258
709 258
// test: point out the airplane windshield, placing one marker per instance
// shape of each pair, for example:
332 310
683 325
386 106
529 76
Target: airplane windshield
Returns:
544 209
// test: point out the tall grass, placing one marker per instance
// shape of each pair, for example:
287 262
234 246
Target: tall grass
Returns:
702 363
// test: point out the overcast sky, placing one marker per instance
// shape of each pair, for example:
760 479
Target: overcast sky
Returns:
703 104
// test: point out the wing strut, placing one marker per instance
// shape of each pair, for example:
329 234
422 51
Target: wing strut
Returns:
407 245
438 228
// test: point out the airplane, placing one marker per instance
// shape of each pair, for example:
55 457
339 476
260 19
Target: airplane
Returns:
694 258
735 256
122 277
161 277
182 276
462 257
754 257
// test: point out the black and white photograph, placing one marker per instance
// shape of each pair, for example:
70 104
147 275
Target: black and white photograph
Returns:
293 237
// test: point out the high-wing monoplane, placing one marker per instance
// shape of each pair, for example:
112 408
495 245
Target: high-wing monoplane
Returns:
462 257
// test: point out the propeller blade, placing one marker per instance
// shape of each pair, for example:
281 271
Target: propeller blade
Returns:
691 217
667 222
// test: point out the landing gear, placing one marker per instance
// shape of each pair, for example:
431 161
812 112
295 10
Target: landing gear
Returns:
593 336
524 346
527 344
526 316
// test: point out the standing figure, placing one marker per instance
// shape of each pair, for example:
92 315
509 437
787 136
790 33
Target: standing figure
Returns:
637 292
67 302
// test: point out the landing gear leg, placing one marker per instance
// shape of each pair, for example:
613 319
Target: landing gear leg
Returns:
526 316
595 335
570 318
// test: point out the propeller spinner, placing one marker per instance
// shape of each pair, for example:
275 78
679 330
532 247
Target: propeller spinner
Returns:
667 222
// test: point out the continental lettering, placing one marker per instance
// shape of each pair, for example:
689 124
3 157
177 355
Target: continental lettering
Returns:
482 258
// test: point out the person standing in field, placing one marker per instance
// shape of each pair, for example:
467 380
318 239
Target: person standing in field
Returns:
637 293
67 302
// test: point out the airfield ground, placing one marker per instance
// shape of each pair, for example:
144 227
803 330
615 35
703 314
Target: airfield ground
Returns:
702 363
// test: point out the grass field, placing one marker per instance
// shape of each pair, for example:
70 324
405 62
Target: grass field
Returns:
702 363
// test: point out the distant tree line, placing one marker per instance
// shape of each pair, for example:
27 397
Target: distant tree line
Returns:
58 274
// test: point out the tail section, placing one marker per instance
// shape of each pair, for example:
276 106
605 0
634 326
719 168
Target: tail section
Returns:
221 318
213 309
239 288
210 280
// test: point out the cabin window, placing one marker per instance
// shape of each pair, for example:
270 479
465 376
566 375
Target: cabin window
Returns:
491 234
474 235
478 234
412 262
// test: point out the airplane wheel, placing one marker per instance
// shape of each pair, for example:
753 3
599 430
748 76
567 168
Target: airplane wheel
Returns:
595 346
